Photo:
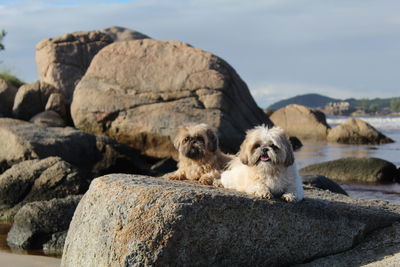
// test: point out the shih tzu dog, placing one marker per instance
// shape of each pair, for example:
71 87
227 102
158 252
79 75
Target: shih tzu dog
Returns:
199 155
265 166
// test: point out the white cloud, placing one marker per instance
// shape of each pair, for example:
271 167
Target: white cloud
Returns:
281 47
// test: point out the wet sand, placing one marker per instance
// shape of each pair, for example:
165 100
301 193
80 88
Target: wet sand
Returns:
18 260
22 258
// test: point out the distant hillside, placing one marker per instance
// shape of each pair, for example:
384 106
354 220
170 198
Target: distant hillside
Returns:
308 100
360 106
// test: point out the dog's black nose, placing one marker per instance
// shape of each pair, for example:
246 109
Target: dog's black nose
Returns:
265 149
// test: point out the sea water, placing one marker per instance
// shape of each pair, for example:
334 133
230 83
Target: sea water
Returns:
316 152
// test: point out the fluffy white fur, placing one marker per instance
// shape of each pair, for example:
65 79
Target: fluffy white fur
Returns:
265 166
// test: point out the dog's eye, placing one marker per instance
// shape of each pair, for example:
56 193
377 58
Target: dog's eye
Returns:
186 139
200 138
274 147
255 146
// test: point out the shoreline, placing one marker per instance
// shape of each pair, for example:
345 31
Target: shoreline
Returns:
20 257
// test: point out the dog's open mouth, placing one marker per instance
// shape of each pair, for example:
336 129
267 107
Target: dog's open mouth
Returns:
265 158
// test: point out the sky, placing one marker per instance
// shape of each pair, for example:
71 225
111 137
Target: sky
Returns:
280 48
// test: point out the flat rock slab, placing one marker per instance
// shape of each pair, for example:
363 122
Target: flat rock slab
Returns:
131 220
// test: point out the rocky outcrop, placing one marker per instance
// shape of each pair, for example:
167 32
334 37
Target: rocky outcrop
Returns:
38 180
357 131
302 122
56 243
167 83
357 170
31 99
37 223
62 61
7 95
45 179
127 220
95 154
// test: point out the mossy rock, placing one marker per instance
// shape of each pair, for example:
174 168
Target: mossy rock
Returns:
357 170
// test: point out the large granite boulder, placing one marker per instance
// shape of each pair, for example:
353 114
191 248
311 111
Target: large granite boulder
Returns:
96 154
31 99
38 222
62 61
7 95
357 170
302 122
127 220
357 131
139 92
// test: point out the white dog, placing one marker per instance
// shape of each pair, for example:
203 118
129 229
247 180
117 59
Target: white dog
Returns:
265 166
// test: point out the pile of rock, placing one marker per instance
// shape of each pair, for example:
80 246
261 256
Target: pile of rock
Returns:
110 101
306 124
128 94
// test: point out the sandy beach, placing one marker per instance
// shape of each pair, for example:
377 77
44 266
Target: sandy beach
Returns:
18 260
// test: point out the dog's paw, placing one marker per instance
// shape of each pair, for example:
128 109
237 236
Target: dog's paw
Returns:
206 179
217 183
265 194
176 176
289 197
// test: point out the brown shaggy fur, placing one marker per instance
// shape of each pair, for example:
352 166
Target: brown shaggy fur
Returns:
199 155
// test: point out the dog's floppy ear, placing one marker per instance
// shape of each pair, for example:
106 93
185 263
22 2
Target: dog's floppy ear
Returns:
212 143
177 142
243 155
178 137
289 160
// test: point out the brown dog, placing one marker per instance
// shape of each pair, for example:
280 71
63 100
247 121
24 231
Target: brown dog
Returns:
199 155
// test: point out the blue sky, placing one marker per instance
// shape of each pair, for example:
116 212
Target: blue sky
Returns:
280 48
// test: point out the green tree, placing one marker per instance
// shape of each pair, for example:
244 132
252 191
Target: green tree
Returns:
395 104
2 34
373 108
364 104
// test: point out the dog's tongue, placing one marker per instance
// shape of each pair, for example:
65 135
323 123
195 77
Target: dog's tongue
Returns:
264 158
